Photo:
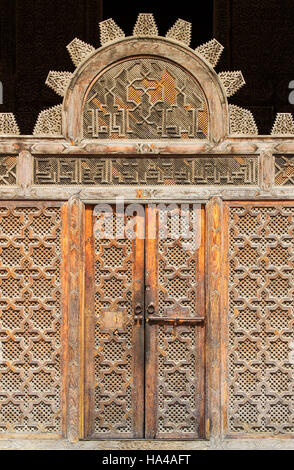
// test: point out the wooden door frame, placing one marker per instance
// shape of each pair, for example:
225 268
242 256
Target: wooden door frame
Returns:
86 323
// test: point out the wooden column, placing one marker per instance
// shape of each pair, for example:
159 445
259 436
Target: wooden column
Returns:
73 302
215 270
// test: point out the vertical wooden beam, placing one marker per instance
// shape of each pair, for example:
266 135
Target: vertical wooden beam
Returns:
151 300
89 329
73 302
215 270
138 328
267 169
24 170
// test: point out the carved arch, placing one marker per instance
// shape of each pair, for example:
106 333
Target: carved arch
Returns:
160 49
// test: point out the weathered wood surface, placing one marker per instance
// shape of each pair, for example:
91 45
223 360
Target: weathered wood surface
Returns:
263 235
264 189
173 313
119 262
73 301
215 272
66 146
151 304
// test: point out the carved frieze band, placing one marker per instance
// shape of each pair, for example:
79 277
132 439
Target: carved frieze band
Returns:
194 170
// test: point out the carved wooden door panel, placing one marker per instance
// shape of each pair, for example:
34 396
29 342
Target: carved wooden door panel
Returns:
144 370
114 358
174 327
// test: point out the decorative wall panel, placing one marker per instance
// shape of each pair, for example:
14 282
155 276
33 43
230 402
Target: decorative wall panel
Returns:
261 319
145 98
30 319
208 170
284 170
8 170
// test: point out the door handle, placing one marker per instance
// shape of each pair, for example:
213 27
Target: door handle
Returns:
150 309
138 317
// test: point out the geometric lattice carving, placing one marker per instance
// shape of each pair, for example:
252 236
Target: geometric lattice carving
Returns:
232 81
284 124
30 319
114 260
79 50
241 121
145 99
49 121
284 170
8 124
179 367
181 32
58 81
208 170
178 379
177 283
145 25
109 31
261 320
211 51
8 170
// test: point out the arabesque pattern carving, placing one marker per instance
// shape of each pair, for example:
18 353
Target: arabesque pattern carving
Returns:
211 51
49 121
145 98
30 319
232 81
8 124
284 124
241 121
261 320
284 170
208 170
181 31
109 31
79 50
145 25
8 170
58 81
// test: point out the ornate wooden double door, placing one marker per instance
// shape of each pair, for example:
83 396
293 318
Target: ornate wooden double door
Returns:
144 328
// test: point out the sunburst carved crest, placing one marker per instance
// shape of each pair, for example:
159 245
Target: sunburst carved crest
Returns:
145 25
